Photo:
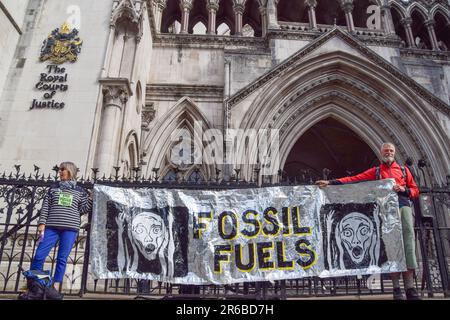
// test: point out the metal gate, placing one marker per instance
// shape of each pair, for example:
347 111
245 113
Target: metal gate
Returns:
21 198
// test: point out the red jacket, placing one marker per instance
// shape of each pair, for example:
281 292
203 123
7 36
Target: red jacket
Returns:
394 171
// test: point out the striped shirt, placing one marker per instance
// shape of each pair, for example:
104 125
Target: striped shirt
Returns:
63 207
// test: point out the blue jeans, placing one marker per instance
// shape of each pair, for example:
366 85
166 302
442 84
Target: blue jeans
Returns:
51 236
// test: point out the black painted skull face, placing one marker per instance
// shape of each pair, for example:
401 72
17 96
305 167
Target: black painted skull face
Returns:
148 230
355 232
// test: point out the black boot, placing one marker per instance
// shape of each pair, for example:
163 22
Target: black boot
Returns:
398 294
411 294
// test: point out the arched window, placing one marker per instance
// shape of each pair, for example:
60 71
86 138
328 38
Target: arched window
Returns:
441 29
199 28
175 27
252 17
327 144
195 176
170 176
223 29
330 13
292 11
399 29
420 32
197 14
171 13
361 16
226 15
124 46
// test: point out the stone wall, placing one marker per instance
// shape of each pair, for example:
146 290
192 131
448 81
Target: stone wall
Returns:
49 136
12 14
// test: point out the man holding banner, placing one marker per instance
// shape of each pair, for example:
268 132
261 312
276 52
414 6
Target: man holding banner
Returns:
222 237
406 189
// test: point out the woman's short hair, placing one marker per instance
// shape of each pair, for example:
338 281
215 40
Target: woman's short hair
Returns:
71 167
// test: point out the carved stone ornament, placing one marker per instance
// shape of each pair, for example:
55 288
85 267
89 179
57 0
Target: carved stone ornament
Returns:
148 115
115 91
62 45
114 95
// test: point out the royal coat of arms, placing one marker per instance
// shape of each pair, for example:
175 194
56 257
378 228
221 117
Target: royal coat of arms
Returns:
62 45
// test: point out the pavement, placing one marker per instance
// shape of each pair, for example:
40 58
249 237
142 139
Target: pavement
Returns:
101 296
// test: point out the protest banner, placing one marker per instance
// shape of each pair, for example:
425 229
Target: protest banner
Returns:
239 235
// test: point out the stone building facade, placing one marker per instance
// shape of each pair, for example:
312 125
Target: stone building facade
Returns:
334 78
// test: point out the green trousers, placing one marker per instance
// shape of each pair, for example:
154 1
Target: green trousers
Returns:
408 237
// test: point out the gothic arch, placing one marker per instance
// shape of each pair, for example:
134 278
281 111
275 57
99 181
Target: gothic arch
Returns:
359 12
329 143
130 153
416 6
441 29
419 29
398 14
126 9
252 17
200 25
197 14
400 9
366 97
292 11
171 13
343 111
329 11
127 23
158 143
225 14
441 9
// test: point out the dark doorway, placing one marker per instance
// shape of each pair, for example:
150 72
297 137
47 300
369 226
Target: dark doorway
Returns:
332 145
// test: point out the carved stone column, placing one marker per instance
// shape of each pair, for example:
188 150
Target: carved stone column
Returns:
212 7
272 18
432 34
109 51
347 7
185 6
263 13
115 96
407 22
386 20
238 8
312 4
226 88
158 8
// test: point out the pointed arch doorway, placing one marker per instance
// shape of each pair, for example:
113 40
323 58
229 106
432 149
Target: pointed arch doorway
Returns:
328 144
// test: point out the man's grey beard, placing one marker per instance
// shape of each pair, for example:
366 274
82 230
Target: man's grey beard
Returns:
387 160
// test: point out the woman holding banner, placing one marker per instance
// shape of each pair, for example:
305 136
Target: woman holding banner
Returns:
59 220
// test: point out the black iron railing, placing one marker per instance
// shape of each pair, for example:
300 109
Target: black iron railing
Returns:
21 198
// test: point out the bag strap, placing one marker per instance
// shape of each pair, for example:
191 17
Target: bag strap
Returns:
403 172
378 175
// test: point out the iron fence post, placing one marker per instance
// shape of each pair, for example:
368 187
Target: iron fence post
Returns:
440 252
87 250
423 251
